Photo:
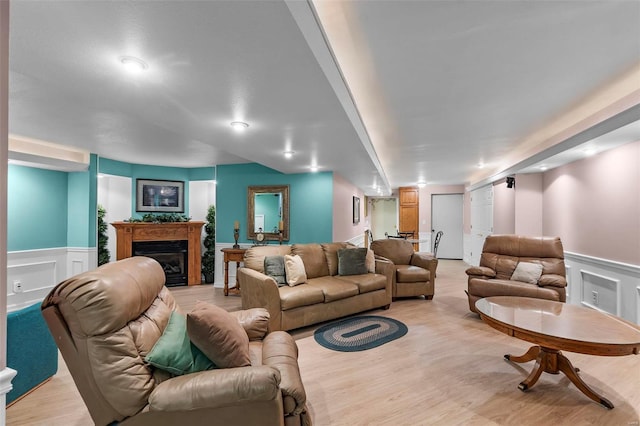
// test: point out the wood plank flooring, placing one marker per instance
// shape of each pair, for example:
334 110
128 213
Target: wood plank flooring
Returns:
447 370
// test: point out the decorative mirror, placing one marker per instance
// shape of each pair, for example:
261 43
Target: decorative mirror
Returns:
268 212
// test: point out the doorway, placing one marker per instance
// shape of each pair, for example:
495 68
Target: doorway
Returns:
384 217
446 216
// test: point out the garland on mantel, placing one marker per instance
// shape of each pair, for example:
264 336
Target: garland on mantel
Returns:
160 218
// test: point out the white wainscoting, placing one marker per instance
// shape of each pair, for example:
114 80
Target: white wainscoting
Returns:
604 284
466 243
40 270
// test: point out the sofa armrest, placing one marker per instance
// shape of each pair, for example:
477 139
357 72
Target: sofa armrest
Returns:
280 351
552 280
255 322
260 291
216 388
426 261
481 271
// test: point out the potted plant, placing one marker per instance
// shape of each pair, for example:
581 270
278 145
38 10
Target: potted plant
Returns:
103 251
209 256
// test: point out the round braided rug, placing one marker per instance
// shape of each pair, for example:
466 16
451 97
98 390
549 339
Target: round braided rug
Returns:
359 333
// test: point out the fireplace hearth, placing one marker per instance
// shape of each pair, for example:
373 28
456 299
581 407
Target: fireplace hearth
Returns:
172 256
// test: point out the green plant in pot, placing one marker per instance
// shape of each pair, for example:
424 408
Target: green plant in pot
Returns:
209 256
103 251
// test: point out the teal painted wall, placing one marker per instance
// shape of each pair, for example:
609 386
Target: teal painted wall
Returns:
36 208
142 171
310 204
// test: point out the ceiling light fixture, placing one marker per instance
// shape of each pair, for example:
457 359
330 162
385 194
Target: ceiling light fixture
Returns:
589 152
422 184
314 168
481 165
543 167
133 65
239 126
288 154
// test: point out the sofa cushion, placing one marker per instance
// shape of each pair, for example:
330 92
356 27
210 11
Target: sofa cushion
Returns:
315 262
254 256
174 352
527 272
485 288
300 295
331 254
274 267
366 282
334 288
411 274
295 270
371 261
218 335
352 261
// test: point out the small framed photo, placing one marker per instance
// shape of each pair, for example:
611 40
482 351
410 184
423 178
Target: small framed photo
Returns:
356 210
166 196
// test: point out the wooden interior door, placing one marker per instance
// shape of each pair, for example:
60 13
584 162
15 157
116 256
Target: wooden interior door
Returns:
409 212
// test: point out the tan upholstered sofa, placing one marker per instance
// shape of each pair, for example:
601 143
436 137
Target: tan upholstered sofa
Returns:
501 255
325 296
107 320
414 273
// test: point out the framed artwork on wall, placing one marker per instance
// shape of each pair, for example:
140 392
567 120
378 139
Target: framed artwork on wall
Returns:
356 209
166 196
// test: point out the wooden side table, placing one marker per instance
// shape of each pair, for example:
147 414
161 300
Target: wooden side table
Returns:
232 255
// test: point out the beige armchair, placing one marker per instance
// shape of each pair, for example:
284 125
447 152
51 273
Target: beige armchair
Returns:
107 320
501 255
414 272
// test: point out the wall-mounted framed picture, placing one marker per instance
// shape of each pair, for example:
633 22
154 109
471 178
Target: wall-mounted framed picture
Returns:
166 196
356 209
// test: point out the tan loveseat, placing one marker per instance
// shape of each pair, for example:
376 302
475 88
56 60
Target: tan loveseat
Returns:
501 254
325 296
106 321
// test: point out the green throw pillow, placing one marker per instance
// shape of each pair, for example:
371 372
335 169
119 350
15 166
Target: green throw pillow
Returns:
274 267
352 261
174 352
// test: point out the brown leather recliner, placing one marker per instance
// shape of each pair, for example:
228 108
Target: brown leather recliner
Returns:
414 272
500 257
105 321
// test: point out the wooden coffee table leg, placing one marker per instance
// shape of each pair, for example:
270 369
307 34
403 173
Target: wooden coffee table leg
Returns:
567 368
531 354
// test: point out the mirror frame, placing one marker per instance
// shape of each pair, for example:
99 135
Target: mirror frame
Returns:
251 192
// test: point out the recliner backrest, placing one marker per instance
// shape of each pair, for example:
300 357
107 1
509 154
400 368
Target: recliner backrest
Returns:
396 250
104 322
503 252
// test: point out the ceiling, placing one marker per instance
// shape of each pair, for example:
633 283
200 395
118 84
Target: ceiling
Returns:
384 93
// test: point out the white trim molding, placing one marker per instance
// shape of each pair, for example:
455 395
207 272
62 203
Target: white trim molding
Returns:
6 376
604 284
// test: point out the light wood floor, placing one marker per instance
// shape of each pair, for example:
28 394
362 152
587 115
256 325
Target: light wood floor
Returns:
447 370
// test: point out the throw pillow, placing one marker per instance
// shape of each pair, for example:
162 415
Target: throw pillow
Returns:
294 269
218 335
527 272
371 261
352 261
174 352
274 267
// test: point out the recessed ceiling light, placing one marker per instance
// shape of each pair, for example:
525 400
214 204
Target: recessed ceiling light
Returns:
543 167
288 154
133 64
314 168
239 126
589 151
422 184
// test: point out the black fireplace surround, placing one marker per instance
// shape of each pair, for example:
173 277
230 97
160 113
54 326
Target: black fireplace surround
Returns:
172 256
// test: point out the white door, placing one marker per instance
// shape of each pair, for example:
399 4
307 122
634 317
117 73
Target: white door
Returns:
384 217
446 216
481 220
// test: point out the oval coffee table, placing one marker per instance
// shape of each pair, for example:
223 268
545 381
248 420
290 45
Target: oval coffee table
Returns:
555 326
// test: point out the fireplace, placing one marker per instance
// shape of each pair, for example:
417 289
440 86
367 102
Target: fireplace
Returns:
172 256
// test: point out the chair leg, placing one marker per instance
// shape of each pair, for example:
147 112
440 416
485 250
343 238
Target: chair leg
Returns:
430 297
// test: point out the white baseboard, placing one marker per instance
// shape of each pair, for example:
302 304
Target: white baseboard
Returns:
604 284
